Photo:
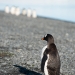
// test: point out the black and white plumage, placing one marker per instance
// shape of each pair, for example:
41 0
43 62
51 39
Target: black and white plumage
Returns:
50 62
43 51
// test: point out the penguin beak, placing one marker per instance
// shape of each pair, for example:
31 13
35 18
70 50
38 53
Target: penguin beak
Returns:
43 38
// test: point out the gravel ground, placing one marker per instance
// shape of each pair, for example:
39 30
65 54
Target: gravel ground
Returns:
21 45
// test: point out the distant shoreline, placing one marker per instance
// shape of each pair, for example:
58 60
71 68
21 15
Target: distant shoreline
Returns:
39 16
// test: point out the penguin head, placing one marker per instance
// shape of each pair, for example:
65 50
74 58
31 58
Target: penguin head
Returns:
49 38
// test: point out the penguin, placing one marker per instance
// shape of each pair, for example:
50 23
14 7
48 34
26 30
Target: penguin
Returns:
50 62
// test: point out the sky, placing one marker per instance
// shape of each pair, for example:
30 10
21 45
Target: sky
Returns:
57 9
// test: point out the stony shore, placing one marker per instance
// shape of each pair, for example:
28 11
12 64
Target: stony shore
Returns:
21 45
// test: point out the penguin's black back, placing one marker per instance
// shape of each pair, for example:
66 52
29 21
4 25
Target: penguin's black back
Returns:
53 65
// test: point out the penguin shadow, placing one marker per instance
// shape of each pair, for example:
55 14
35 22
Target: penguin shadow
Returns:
25 71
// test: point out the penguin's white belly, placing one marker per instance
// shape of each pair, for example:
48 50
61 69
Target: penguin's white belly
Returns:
45 67
43 51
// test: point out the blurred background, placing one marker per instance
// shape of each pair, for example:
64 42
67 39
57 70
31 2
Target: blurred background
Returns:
56 9
22 25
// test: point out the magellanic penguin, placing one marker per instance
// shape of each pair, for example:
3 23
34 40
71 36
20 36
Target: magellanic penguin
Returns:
50 63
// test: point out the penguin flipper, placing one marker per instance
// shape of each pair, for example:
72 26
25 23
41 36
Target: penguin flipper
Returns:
43 62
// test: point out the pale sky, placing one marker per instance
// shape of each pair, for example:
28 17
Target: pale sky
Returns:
40 2
60 9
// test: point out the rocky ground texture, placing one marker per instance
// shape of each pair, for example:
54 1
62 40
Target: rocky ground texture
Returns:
21 44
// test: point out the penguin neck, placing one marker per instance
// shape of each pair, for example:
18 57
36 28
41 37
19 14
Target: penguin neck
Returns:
51 49
48 44
50 41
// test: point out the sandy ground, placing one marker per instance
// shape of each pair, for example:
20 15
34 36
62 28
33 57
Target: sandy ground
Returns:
21 45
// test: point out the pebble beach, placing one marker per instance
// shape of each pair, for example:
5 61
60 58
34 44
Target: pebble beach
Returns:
21 44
